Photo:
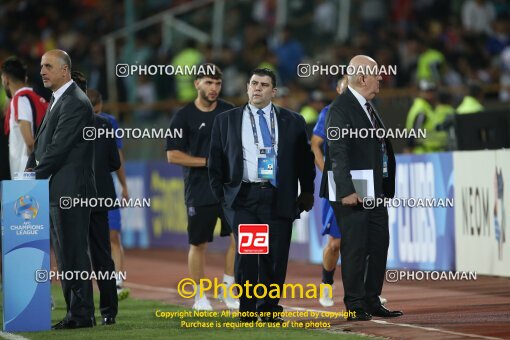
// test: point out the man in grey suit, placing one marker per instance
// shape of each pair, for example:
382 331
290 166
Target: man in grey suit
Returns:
63 156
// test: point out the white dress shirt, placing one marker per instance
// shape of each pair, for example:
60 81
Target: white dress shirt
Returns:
58 93
250 151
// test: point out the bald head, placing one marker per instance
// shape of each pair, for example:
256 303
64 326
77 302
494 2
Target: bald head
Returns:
361 65
364 76
62 56
55 69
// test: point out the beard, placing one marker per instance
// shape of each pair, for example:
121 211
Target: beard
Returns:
204 96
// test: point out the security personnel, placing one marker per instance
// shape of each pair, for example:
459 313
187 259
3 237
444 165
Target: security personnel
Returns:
472 102
443 120
422 116
430 62
189 56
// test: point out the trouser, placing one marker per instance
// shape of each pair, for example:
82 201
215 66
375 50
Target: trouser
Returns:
70 240
256 205
101 254
364 250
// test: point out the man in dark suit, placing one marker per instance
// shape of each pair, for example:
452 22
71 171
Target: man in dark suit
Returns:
63 156
106 160
365 234
259 153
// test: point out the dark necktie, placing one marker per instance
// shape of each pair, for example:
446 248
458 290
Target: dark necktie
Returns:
46 114
266 137
371 112
51 103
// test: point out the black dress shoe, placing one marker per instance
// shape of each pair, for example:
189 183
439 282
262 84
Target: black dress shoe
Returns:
108 320
359 315
276 319
383 312
59 325
72 324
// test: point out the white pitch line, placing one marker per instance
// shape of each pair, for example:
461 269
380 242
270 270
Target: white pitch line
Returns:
11 336
430 329
438 330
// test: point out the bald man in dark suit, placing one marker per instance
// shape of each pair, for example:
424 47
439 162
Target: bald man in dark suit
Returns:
63 156
365 233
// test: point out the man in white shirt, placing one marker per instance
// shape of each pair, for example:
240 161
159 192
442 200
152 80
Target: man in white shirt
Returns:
259 155
21 124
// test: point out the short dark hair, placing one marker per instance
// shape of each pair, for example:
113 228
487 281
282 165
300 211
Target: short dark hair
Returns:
264 72
209 70
80 80
14 67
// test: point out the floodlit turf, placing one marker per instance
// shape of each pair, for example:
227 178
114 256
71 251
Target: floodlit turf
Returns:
137 320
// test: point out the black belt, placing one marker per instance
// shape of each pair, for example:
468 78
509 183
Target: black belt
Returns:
260 185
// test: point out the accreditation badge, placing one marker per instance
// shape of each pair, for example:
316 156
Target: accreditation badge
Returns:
266 163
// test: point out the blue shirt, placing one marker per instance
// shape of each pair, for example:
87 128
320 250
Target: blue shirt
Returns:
250 151
289 55
319 128
115 126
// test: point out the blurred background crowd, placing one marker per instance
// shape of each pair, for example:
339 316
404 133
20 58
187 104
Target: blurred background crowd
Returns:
450 47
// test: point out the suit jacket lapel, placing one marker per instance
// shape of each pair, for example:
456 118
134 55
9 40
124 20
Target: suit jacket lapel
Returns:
281 119
47 118
357 106
53 109
237 120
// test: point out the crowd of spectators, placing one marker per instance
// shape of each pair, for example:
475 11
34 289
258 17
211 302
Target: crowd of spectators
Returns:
452 43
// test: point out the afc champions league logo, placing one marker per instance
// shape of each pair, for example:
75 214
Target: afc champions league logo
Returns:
26 207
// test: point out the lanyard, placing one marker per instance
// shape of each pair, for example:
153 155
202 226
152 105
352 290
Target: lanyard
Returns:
254 127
